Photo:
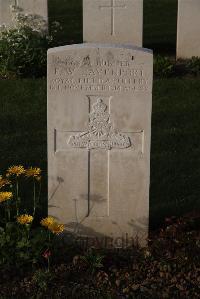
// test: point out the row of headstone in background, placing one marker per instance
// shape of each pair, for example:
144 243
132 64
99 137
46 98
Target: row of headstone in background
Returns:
8 9
188 28
113 21
119 21
102 20
99 127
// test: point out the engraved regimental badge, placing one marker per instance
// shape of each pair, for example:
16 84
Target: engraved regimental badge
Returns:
101 133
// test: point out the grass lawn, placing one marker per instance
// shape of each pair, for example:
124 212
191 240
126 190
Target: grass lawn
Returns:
175 160
159 23
24 129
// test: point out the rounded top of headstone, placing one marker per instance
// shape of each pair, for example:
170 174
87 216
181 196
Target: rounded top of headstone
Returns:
100 46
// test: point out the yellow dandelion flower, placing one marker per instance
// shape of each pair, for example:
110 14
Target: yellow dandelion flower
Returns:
33 172
46 222
24 219
5 196
4 182
15 170
56 228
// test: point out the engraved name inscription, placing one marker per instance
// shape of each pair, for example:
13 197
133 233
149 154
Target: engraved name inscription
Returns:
99 74
101 133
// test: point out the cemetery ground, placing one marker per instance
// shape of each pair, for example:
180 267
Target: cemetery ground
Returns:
169 266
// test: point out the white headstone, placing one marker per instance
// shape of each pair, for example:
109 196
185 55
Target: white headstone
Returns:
188 28
113 21
30 7
99 124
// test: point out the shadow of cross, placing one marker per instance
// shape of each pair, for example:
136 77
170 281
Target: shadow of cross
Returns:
112 8
100 138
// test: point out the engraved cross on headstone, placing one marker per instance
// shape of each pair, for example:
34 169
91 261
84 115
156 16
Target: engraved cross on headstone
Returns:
100 138
112 8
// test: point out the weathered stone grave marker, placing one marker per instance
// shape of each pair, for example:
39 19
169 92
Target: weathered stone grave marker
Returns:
112 8
99 120
32 7
113 21
188 28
